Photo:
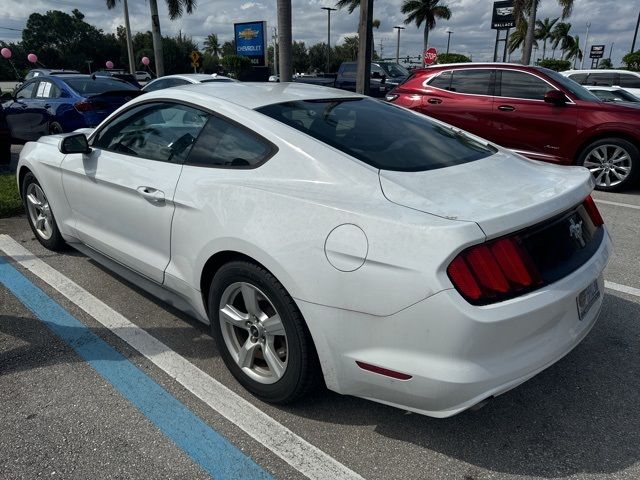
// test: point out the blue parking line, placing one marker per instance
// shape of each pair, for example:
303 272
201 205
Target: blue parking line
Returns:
214 453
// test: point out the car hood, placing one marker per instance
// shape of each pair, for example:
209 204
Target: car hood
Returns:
501 193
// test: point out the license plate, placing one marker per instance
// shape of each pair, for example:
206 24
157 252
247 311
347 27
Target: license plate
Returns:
587 298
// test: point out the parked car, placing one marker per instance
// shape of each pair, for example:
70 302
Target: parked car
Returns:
613 94
5 140
184 79
56 104
120 75
142 76
326 234
534 111
384 77
36 72
629 81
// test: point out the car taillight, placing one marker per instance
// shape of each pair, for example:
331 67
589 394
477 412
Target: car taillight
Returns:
493 271
594 214
89 106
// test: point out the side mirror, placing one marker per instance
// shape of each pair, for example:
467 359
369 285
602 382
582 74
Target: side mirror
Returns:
375 75
76 143
555 97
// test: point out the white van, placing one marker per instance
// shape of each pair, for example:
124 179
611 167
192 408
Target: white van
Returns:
629 81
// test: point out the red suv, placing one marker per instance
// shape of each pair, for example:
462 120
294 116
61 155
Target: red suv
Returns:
534 111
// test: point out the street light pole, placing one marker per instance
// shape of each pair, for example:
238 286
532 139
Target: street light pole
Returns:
127 28
584 52
398 44
449 31
329 10
275 51
635 35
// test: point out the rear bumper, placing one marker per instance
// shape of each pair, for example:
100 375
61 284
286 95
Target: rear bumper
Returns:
456 353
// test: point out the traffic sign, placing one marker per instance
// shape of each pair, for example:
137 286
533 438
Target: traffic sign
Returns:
195 57
430 56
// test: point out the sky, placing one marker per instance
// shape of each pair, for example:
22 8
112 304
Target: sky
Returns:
612 22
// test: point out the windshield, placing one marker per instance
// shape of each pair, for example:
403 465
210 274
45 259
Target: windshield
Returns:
89 86
380 134
395 70
615 96
575 88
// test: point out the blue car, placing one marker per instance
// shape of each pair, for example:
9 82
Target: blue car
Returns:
56 104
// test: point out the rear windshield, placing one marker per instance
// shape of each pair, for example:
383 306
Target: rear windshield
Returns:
383 135
90 86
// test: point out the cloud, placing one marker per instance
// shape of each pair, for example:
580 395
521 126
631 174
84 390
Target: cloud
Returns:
612 22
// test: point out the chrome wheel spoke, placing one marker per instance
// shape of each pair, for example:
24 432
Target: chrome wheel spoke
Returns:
274 363
273 325
250 297
596 153
33 200
623 158
247 354
40 221
230 315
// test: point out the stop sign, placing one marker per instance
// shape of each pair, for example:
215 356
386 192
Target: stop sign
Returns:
430 56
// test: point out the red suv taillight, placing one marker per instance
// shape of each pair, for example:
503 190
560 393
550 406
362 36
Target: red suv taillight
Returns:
502 268
493 271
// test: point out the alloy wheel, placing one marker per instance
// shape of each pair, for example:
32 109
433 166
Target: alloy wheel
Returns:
609 164
253 332
39 211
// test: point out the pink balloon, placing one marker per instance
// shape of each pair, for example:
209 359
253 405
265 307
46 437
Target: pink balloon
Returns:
32 57
145 61
6 53
109 64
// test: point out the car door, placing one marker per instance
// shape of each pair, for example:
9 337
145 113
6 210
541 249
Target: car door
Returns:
462 98
19 114
526 123
122 193
43 106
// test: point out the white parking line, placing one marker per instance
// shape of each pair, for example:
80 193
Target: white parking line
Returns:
293 449
622 288
617 204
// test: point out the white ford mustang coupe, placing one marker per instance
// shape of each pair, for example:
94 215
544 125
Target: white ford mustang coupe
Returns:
326 235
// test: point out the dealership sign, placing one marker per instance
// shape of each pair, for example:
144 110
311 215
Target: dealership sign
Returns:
251 41
597 51
503 16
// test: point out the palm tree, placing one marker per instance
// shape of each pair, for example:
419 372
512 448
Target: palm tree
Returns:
350 4
573 49
285 53
544 32
559 36
516 39
212 45
531 7
425 11
176 9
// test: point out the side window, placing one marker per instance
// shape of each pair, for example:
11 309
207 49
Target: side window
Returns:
377 71
224 144
442 81
157 131
579 78
47 90
158 85
604 79
476 82
349 70
175 82
630 81
522 85
26 91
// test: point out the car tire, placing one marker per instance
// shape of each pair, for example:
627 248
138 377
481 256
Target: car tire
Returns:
297 369
39 214
55 128
614 163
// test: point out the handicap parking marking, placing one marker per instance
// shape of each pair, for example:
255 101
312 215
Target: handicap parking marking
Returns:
306 458
214 453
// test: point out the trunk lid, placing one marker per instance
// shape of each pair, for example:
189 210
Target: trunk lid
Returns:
501 193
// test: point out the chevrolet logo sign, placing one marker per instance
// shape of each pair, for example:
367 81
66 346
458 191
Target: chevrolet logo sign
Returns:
248 34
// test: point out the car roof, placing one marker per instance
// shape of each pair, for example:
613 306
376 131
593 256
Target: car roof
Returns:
254 95
600 70
198 77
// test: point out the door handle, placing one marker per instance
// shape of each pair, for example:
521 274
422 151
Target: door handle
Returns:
151 194
434 101
506 108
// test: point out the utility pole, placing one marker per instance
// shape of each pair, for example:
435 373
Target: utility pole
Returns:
329 10
449 32
275 51
127 27
635 35
586 40
398 44
611 49
365 48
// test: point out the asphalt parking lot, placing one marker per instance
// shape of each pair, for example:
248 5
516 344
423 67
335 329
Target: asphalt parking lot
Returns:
69 410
